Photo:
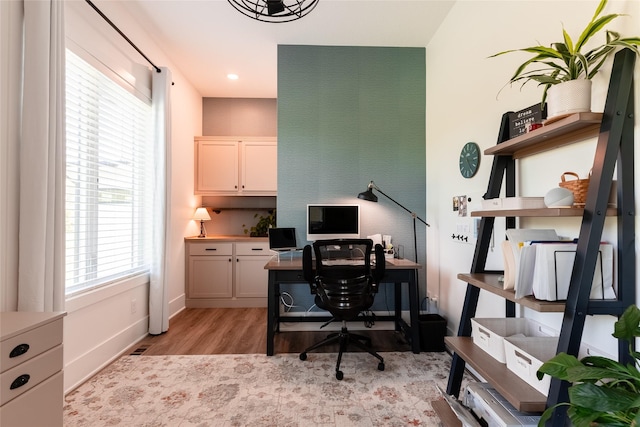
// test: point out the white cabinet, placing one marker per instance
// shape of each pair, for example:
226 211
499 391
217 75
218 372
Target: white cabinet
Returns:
31 377
236 166
226 274
209 269
251 276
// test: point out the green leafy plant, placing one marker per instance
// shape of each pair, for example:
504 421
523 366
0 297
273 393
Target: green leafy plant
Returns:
604 392
563 61
262 226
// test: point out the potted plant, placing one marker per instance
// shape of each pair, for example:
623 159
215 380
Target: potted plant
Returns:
263 225
603 391
563 65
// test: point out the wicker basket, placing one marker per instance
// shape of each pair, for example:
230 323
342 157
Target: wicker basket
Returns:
578 187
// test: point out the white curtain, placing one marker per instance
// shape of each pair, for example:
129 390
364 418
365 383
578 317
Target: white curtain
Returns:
158 290
42 159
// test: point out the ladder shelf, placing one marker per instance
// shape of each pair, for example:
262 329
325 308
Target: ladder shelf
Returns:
614 152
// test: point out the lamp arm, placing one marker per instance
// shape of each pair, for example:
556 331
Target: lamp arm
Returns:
413 214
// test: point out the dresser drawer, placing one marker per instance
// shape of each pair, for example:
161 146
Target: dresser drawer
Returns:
258 248
39 407
29 344
33 372
211 249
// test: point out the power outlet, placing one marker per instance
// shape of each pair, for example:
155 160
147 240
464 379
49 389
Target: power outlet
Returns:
134 306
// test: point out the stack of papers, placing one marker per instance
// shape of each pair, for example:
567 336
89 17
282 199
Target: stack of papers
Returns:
538 263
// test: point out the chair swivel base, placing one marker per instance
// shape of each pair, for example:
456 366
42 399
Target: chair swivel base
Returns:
345 338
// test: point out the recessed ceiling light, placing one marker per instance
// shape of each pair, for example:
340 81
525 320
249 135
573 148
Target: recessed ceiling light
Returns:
232 76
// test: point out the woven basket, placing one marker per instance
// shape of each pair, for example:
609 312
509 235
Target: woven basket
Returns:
578 187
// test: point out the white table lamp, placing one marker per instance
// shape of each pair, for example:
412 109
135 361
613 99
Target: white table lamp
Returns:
202 215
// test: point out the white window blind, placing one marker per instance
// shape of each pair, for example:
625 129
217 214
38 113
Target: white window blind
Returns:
108 152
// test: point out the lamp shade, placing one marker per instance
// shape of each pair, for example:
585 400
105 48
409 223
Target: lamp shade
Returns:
201 214
368 195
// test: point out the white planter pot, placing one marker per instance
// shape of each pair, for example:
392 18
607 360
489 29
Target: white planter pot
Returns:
569 97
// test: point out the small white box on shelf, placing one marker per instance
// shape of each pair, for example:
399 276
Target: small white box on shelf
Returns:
514 203
489 333
525 355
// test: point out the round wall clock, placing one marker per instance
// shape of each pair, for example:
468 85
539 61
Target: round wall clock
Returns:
469 159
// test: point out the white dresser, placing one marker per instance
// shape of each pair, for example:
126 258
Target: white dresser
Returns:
31 382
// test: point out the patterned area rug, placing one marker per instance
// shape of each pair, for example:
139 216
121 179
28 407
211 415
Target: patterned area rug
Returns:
256 390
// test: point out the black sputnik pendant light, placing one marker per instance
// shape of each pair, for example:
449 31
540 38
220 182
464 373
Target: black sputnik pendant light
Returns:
274 10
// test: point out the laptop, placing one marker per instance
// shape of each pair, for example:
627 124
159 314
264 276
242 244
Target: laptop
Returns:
283 239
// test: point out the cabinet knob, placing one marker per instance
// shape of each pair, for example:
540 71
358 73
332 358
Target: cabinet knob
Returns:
19 350
210 249
20 381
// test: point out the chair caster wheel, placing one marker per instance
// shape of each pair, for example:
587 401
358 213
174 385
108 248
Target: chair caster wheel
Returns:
339 375
303 356
380 366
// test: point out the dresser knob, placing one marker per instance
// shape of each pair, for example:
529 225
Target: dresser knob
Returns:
20 381
19 350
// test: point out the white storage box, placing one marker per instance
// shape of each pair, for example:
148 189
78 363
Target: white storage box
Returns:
489 333
525 355
514 203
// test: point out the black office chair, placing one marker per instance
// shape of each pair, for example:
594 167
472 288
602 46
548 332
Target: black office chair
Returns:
344 284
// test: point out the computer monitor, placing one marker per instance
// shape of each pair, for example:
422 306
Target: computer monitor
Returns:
282 239
333 222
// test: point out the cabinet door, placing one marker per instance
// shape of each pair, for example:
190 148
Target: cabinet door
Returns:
251 276
259 167
210 276
216 167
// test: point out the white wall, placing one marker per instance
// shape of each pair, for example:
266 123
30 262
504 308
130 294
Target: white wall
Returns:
464 103
100 325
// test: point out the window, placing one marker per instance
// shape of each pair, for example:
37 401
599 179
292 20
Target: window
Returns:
108 151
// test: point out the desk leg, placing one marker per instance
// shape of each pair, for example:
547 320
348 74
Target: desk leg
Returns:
272 311
398 301
414 313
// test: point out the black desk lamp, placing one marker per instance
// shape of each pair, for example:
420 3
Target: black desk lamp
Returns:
369 196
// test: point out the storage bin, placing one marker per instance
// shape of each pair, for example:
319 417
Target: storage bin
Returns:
525 355
489 333
433 328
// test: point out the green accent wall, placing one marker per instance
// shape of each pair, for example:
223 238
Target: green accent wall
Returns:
346 116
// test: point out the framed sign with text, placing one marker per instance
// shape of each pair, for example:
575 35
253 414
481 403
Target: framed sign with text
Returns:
520 120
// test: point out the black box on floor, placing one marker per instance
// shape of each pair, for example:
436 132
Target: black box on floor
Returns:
433 328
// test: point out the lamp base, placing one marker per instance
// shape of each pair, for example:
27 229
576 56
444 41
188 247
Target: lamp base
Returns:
203 232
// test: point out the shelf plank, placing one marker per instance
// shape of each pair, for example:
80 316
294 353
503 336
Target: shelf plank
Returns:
517 392
571 129
543 212
446 415
490 282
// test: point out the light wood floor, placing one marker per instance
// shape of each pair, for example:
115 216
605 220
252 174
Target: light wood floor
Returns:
242 331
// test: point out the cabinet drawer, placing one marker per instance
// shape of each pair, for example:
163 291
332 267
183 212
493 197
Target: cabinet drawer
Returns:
40 406
257 248
34 371
30 344
211 249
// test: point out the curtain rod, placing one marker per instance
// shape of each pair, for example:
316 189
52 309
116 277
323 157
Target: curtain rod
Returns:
122 34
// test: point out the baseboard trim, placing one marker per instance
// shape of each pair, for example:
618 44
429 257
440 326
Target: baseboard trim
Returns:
78 371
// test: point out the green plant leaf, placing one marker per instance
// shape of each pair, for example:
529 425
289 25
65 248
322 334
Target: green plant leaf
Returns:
593 28
628 326
602 399
557 366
